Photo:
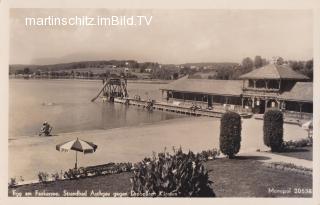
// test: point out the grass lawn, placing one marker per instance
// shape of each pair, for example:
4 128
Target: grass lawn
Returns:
245 177
301 153
242 177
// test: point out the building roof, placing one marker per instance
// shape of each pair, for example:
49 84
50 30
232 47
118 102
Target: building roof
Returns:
206 86
301 91
273 71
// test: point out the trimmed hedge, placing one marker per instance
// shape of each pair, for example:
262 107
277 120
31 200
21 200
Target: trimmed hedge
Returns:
273 130
230 134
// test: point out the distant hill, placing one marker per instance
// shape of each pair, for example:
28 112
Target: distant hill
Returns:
73 65
15 67
102 63
210 64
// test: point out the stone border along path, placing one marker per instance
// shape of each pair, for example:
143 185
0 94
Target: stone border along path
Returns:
268 157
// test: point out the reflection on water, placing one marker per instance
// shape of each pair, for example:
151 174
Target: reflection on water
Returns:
117 115
66 105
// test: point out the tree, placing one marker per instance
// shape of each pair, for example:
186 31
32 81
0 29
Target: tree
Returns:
230 134
280 61
273 130
247 64
295 65
224 74
264 61
175 76
258 62
26 71
308 69
304 67
38 72
309 65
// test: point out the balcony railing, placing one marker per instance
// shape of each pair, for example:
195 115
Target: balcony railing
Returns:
261 89
217 107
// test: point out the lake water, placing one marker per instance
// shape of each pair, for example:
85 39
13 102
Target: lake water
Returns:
66 105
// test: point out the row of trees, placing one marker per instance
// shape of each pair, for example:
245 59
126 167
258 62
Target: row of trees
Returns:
304 67
248 64
167 72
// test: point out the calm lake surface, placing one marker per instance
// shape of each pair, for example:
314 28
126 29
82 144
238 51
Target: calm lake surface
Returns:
66 105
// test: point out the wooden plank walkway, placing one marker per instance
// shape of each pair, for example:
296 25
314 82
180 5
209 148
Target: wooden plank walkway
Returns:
163 106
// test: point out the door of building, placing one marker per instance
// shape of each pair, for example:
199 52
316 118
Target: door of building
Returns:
209 101
262 107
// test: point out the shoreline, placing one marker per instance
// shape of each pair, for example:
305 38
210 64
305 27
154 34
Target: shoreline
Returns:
90 131
142 81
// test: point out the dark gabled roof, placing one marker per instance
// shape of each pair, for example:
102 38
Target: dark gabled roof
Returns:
301 91
273 71
206 86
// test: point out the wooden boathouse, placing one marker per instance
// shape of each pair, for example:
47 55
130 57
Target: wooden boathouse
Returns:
270 87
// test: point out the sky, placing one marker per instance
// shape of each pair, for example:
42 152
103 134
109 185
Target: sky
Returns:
174 36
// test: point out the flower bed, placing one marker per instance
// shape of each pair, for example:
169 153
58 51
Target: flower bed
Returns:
289 167
292 145
99 170
110 168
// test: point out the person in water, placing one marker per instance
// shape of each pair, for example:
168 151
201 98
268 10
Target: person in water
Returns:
45 129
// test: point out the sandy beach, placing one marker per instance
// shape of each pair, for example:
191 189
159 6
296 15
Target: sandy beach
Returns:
29 155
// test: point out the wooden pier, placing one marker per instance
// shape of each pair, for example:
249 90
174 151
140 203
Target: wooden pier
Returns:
163 106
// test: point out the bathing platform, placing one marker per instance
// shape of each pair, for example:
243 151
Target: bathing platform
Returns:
169 107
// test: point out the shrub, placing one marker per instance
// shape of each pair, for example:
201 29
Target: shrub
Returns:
273 130
21 179
72 174
297 143
99 170
55 176
230 134
12 183
208 155
180 174
43 177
